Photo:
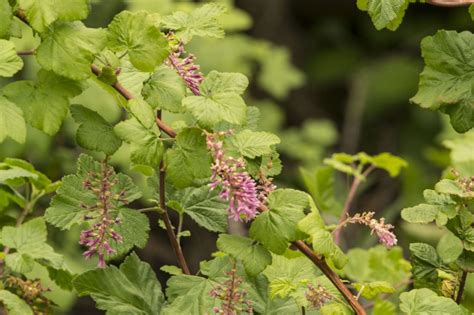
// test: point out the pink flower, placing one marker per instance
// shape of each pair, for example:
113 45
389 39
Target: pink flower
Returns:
186 68
238 187
386 237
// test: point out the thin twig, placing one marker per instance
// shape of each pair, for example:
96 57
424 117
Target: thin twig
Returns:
320 262
462 284
26 52
169 228
347 204
450 3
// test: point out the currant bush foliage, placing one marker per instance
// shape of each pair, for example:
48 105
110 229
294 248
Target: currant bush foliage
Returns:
212 164
444 82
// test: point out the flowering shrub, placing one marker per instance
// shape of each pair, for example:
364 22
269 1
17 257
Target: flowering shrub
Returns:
211 164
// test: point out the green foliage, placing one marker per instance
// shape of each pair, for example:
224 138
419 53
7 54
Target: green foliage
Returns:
10 62
12 122
322 240
29 244
277 226
189 159
45 102
252 144
142 133
94 132
200 22
14 304
165 90
74 202
138 35
445 87
132 288
384 13
424 301
68 49
253 256
202 205
346 163
220 100
377 264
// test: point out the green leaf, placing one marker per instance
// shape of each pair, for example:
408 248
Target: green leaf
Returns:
252 143
130 289
204 206
383 307
387 13
137 34
10 62
67 207
29 243
253 256
425 262
422 213
320 184
6 18
335 309
172 270
94 132
392 164
461 158
39 13
371 290
213 109
378 264
68 49
134 228
189 159
286 275
224 82
445 79
72 10
449 247
12 123
426 302
200 22
323 244
46 101
142 133
165 89
277 227
450 187
14 304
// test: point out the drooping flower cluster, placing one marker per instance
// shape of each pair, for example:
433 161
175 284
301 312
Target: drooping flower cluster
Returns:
317 296
233 298
382 229
32 292
186 68
97 237
238 187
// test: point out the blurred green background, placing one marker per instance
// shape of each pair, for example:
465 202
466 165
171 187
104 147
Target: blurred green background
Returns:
324 80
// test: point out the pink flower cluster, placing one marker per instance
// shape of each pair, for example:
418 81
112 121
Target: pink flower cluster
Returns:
186 68
238 187
234 299
97 238
386 237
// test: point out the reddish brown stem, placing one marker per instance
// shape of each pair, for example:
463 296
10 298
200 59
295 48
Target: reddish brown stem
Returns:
331 275
169 228
450 3
462 284
347 204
